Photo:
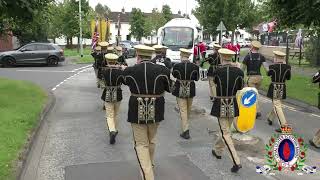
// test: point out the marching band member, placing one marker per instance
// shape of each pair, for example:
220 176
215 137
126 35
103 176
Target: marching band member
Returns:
229 79
214 61
252 62
147 82
122 59
112 76
279 72
97 62
184 88
315 142
161 52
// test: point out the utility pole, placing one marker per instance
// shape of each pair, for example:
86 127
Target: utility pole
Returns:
80 24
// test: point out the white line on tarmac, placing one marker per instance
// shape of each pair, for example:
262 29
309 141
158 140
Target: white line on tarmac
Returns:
29 70
85 68
81 68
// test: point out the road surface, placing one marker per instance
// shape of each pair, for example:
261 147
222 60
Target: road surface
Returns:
74 144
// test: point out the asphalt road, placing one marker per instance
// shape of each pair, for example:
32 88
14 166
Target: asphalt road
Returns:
73 143
46 77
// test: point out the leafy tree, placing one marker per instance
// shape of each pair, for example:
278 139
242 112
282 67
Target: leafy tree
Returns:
102 11
167 13
233 13
153 22
24 18
70 18
137 23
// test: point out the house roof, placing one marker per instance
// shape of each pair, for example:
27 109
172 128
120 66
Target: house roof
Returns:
125 17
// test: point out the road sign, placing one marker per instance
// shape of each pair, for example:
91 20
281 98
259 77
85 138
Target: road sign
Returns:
221 27
249 98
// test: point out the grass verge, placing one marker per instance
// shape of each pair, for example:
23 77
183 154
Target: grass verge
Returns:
299 87
75 56
20 105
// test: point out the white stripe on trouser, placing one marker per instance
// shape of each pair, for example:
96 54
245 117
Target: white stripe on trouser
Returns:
145 139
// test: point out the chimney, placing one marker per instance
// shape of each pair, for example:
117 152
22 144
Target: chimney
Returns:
179 12
123 11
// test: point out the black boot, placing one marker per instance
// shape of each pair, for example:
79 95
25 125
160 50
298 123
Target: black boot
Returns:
211 98
258 115
104 107
185 135
215 154
269 122
113 136
235 168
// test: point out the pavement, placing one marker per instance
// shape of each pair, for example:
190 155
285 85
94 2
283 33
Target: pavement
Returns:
74 144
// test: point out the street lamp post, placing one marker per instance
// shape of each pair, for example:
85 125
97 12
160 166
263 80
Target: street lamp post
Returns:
80 24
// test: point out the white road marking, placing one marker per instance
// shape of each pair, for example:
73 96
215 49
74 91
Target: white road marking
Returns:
315 115
81 68
85 68
29 70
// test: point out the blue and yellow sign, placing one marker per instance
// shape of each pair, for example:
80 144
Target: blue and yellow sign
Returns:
247 101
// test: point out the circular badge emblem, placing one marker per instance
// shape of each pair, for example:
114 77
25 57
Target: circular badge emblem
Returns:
249 98
286 150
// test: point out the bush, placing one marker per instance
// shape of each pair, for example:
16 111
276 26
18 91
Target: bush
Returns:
312 50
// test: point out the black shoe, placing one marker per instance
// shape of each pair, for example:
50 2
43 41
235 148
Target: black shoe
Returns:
98 85
104 107
269 122
215 155
185 135
312 144
278 130
113 136
211 98
235 168
258 115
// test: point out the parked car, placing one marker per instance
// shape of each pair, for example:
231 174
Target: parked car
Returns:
127 49
33 53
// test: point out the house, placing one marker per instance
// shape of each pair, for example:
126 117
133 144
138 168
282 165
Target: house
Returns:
125 27
8 42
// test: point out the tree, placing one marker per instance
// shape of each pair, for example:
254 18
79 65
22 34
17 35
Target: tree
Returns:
166 11
24 18
70 18
153 22
137 22
102 11
293 14
232 13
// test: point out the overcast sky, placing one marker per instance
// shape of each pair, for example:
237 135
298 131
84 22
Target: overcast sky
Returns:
147 5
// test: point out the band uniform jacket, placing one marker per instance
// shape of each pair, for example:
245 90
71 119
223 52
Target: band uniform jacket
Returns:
229 80
214 61
113 79
122 61
162 59
101 62
94 55
253 61
147 83
279 74
185 73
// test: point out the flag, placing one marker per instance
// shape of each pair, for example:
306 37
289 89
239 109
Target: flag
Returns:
298 41
95 36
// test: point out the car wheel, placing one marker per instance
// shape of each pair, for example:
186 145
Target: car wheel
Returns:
8 61
52 61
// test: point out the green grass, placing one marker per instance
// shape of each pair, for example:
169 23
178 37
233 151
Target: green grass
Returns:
74 52
20 105
299 87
